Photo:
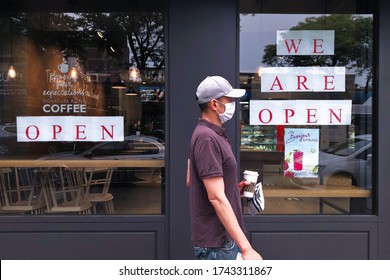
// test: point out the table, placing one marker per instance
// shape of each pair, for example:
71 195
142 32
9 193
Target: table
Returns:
86 165
154 163
317 191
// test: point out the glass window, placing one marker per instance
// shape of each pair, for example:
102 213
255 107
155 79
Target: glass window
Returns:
82 111
306 118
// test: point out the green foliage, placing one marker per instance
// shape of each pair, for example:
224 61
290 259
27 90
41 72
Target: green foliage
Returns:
353 45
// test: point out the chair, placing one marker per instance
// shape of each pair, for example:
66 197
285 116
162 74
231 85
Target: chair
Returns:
64 191
98 184
21 190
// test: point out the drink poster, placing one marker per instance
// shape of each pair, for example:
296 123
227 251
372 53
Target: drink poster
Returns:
301 152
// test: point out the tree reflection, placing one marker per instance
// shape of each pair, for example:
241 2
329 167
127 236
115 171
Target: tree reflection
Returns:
353 45
128 39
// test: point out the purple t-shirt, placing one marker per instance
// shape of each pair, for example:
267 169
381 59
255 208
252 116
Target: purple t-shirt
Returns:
210 156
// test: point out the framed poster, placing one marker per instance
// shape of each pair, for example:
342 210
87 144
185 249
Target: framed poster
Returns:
301 152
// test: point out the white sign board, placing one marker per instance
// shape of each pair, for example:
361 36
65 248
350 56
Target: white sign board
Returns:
303 79
300 112
69 128
305 42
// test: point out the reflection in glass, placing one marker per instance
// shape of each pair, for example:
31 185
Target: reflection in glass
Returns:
344 181
68 64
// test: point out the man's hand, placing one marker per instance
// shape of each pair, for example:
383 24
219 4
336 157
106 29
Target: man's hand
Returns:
251 254
242 184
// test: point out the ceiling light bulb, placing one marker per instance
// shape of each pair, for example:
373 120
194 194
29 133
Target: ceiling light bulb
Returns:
73 73
133 73
11 71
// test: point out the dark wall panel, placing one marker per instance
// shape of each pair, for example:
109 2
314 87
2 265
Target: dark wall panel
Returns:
202 41
78 245
312 245
383 114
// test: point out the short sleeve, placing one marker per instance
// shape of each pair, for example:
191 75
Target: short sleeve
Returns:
208 159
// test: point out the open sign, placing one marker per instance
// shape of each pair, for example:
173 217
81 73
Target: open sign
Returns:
69 128
300 112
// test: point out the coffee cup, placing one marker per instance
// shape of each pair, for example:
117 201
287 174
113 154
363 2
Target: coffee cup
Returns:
63 67
250 176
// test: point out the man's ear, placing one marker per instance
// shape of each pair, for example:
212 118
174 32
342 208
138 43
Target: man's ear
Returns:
213 105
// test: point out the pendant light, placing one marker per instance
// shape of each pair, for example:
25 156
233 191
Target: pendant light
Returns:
73 73
11 66
11 70
134 73
131 92
119 85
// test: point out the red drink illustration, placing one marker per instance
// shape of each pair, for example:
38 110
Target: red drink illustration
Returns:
298 156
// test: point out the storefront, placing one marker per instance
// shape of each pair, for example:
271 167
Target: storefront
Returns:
97 108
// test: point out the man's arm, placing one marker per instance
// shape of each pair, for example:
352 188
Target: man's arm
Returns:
216 193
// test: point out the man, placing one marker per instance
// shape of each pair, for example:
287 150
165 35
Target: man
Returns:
217 228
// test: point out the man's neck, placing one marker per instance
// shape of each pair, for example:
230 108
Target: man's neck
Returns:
211 118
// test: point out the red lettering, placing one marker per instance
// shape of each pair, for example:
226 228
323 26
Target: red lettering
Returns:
288 114
104 129
261 116
80 131
332 113
277 83
292 46
56 129
329 81
311 113
36 132
301 81
318 44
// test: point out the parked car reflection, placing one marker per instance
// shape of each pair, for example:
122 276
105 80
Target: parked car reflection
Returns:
9 145
7 138
133 147
350 158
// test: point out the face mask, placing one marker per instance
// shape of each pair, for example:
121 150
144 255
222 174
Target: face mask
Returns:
229 111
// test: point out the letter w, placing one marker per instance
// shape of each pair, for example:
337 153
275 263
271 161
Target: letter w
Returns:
292 45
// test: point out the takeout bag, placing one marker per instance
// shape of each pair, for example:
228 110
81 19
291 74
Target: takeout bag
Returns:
257 203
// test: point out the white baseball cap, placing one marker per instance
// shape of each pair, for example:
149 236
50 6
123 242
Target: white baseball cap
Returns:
214 87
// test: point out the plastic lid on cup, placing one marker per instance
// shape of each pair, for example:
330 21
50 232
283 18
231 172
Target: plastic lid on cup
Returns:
249 172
